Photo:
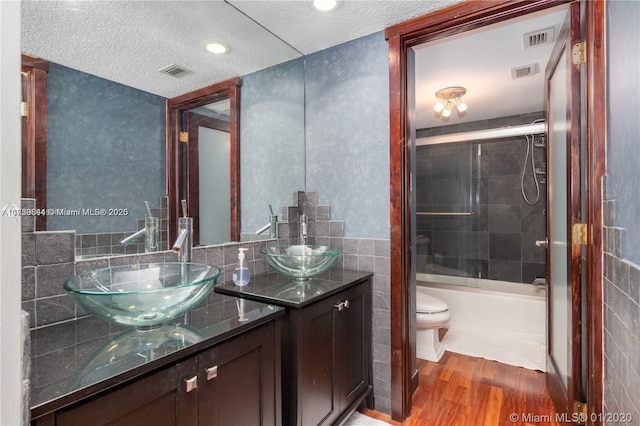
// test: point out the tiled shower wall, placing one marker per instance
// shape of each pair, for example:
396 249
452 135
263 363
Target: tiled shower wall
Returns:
621 322
48 260
483 179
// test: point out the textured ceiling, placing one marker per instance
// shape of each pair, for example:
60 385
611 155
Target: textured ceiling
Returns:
129 41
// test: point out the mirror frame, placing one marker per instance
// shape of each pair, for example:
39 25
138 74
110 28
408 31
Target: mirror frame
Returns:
181 172
34 133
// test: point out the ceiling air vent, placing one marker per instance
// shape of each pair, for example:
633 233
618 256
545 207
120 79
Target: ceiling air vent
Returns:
174 70
524 71
538 38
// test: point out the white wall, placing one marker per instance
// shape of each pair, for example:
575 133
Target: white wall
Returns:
10 275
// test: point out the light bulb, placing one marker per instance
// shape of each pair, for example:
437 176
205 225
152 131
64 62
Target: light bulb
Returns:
439 107
447 110
460 105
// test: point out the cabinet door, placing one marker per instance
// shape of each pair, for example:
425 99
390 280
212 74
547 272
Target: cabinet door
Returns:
160 399
353 345
237 384
317 379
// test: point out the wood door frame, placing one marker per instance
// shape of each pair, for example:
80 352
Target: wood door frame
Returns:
175 177
194 121
446 22
34 135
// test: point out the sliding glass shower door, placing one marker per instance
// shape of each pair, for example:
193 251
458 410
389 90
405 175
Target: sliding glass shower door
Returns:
450 238
480 209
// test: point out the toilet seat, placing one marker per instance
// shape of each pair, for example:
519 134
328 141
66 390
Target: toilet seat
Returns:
427 304
432 320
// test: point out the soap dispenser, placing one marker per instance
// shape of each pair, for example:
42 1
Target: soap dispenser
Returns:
241 273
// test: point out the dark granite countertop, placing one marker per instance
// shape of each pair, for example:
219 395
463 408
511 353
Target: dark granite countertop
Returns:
77 359
276 289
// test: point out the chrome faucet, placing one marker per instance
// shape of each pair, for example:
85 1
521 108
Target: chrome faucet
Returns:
303 229
149 232
272 225
184 243
134 237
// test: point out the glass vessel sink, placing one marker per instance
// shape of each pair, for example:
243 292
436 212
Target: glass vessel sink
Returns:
300 262
143 295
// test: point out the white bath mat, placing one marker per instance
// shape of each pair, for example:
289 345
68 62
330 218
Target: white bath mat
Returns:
359 419
503 349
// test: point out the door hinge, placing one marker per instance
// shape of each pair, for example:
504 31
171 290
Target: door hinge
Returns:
184 137
579 233
24 109
579 53
580 413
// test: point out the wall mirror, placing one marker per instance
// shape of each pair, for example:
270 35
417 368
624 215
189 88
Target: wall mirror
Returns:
203 150
105 130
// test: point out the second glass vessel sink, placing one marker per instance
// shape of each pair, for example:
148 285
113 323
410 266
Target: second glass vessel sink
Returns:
300 262
145 294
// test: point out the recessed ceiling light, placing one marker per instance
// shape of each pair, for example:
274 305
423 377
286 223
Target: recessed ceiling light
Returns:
217 48
325 5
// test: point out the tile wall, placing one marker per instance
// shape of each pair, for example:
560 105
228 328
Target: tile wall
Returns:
621 295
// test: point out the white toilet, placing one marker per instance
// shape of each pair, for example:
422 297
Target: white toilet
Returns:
431 314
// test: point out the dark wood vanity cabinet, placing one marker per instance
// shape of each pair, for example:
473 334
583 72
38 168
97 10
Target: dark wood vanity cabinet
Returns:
239 382
233 383
160 399
330 357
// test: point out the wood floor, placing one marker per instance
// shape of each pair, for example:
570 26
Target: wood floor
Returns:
468 391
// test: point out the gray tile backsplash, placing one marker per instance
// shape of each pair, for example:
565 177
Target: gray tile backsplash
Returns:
621 294
48 260
109 243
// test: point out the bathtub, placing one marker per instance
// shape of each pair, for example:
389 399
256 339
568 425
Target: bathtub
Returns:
505 309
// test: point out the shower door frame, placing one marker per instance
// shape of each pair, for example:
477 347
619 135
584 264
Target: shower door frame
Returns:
442 23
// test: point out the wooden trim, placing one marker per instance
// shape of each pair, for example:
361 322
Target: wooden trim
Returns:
400 221
176 153
575 216
234 139
446 22
194 121
463 17
596 170
34 134
29 61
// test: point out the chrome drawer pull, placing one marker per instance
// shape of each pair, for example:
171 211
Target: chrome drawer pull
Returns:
340 306
191 383
346 304
212 372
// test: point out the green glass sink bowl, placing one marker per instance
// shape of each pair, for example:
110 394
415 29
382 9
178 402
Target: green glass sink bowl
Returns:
143 295
300 262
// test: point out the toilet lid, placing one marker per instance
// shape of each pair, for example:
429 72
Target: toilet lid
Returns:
428 304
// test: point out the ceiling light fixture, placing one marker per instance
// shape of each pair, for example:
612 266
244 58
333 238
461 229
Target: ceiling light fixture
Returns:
325 5
448 98
217 48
